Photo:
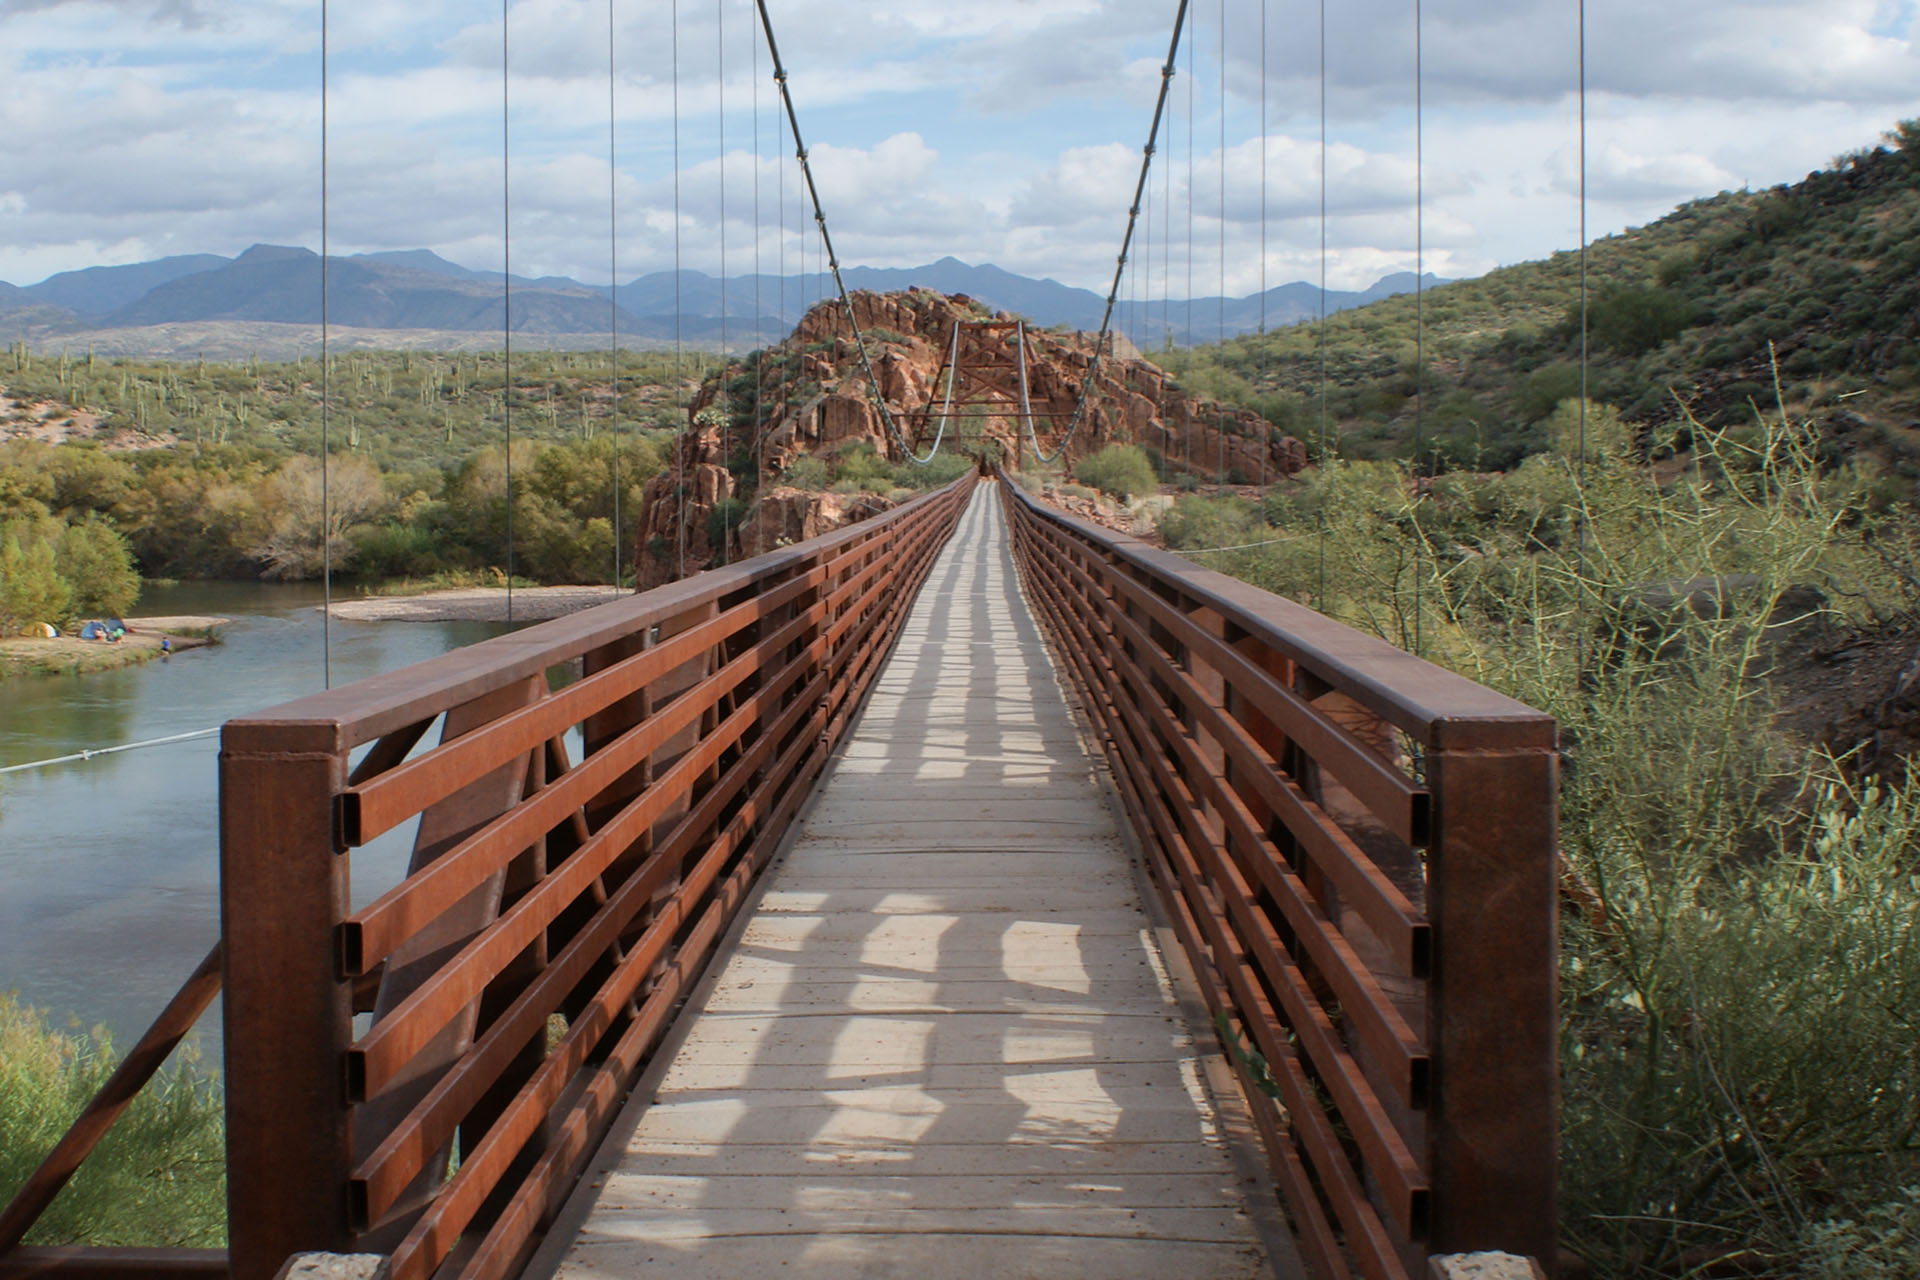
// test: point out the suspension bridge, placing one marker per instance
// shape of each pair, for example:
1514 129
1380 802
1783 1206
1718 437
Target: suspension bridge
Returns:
968 890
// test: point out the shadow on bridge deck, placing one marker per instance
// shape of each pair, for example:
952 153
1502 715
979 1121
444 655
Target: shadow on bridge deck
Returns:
945 1042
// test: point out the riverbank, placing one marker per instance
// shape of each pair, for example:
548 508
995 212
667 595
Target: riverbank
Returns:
146 639
477 604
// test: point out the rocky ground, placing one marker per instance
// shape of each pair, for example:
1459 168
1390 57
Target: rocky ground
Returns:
1855 691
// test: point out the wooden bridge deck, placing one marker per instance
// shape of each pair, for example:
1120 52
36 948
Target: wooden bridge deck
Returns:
945 1043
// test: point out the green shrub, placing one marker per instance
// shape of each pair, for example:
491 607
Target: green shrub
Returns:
395 551
158 1179
806 473
1123 470
939 471
1633 319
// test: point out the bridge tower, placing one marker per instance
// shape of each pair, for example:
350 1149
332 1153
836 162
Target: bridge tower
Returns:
982 378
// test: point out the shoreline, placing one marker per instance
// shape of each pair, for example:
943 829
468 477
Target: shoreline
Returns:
69 655
477 604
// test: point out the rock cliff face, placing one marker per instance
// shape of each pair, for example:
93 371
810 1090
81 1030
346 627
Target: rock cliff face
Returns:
809 397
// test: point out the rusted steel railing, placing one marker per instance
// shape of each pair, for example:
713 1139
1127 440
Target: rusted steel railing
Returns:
1356 850
425 1077
92 1125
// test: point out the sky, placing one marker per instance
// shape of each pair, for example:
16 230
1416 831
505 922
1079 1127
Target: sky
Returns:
1001 131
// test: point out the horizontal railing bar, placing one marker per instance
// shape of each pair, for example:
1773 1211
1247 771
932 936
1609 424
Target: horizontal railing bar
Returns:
377 1057
432 1237
1380 1140
634 1043
90 1262
1441 709
1404 807
384 802
373 933
1141 736
344 718
1380 902
1322 1145
1353 982
387 1170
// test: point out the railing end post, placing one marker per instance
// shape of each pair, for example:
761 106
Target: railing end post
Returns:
1494 1001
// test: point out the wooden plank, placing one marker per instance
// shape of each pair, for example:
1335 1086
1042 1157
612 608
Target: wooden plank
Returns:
945 1043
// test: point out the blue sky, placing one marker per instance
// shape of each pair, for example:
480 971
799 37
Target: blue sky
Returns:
1004 131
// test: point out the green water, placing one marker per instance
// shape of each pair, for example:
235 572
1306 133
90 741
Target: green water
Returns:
109 869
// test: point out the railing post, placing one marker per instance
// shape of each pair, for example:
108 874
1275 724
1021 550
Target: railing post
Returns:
1494 1018
288 1013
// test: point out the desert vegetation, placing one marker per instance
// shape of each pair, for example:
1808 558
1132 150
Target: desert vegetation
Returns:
1741 948
158 1179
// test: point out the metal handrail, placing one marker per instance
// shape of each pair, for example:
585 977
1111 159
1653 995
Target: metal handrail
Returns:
556 909
1356 850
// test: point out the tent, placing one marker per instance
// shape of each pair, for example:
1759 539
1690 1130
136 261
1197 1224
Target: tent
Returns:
95 631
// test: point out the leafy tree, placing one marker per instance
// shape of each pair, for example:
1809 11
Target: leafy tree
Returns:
306 512
95 562
31 589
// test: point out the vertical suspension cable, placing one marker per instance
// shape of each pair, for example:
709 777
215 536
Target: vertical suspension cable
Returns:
613 285
326 389
760 353
780 186
1265 427
1220 407
506 281
720 397
1325 459
1580 481
1419 309
679 368
1193 20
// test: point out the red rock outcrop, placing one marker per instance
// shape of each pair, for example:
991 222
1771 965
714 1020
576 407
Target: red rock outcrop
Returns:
815 398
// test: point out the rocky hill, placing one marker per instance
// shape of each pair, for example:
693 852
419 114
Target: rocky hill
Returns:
1688 316
754 426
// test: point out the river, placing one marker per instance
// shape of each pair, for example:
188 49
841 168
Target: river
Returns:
109 867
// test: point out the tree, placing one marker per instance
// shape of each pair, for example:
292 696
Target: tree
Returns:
31 589
307 512
98 569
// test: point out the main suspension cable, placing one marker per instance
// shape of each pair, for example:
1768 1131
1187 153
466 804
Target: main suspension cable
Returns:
826 244
1103 339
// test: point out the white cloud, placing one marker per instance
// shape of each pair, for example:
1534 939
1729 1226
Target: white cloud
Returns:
1008 133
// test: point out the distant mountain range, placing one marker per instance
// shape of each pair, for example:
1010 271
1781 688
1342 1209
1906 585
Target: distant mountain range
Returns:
417 290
